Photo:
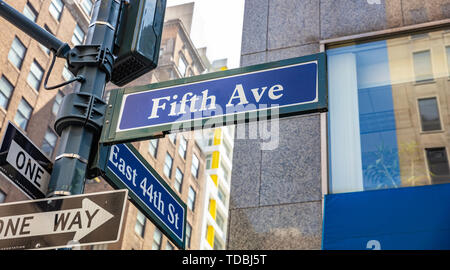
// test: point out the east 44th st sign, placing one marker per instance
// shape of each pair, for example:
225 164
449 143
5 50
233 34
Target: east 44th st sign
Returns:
124 168
64 221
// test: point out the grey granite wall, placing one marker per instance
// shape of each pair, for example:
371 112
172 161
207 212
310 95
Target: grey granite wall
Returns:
276 194
279 29
276 197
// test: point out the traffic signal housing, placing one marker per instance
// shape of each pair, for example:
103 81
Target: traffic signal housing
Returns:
138 39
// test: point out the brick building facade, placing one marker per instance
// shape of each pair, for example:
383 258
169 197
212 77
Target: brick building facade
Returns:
24 102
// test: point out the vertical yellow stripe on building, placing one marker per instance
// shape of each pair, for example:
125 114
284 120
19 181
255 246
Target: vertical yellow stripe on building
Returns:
210 235
217 136
215 160
212 208
214 178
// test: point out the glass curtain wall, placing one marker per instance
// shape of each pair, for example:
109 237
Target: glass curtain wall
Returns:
389 110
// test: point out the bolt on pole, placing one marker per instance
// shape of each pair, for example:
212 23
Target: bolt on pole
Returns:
77 137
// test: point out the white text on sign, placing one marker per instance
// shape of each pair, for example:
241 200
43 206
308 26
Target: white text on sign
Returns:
82 221
28 167
144 184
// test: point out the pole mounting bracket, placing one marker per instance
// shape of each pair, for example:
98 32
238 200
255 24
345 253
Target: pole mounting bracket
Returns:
83 109
91 55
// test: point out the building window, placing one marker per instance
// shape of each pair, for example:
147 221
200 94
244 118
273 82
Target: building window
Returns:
224 171
191 199
168 165
66 73
183 146
228 150
139 227
58 100
30 12
429 114
153 147
374 142
100 247
2 196
189 73
157 239
220 220
208 161
49 143
438 165
422 66
169 246
182 65
6 89
188 235
78 35
56 8
217 243
210 138
23 114
178 180
195 166
34 78
222 195
173 138
447 49
87 6
17 53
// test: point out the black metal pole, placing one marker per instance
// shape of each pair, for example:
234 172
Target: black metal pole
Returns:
70 166
79 118
33 30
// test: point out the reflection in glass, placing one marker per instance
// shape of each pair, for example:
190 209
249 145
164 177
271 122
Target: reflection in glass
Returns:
438 165
422 66
379 113
429 114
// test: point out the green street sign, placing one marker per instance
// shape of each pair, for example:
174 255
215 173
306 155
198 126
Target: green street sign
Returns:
123 167
275 89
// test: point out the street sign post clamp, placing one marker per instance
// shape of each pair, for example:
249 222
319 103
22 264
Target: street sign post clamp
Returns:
84 109
72 155
91 55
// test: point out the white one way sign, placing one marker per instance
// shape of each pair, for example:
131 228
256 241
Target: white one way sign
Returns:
59 222
24 164
29 168
80 220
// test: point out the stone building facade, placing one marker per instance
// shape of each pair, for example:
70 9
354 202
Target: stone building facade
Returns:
277 196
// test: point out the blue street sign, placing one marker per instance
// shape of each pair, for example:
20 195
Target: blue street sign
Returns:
280 88
168 105
126 168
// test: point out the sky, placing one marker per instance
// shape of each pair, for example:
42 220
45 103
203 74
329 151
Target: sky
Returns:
217 25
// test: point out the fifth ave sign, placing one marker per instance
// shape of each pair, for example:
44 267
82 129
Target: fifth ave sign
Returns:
274 89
